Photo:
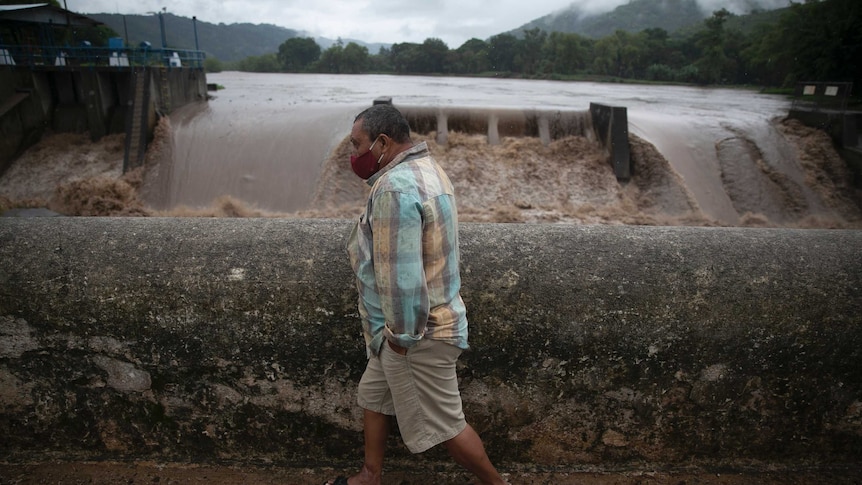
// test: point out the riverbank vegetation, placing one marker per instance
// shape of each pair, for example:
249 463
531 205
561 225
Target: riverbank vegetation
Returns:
810 41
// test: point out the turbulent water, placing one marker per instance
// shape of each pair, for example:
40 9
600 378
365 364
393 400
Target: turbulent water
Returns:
275 145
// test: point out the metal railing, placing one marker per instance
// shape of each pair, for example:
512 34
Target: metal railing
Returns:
86 56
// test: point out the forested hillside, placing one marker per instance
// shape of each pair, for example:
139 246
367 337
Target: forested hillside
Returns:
638 15
226 42
672 16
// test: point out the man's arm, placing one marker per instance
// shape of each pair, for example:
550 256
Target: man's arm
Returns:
398 266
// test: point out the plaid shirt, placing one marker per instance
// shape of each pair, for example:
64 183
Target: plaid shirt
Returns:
404 252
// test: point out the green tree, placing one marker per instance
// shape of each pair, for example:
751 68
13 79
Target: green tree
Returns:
529 51
656 48
264 63
567 53
354 59
471 57
382 61
298 54
714 64
813 41
769 66
330 59
211 64
620 55
502 51
406 57
660 61
341 59
432 56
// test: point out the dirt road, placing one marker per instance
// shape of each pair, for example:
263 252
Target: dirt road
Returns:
103 473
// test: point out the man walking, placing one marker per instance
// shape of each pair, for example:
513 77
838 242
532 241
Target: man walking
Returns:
404 252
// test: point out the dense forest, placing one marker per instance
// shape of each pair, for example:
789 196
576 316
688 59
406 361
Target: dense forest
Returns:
811 41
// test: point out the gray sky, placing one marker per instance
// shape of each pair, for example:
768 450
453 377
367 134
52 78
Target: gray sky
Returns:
387 21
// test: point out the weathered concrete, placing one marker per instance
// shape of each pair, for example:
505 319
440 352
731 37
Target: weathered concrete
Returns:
495 123
217 339
78 100
611 124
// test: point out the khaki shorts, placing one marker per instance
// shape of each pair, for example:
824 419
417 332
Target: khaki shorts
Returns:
420 389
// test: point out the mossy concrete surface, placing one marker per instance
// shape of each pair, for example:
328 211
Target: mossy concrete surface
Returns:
238 340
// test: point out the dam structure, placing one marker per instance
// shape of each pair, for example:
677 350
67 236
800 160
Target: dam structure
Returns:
238 341
56 87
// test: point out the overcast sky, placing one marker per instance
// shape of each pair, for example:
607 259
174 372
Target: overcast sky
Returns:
386 21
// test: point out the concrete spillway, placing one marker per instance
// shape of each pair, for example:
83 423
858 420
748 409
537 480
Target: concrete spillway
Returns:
607 124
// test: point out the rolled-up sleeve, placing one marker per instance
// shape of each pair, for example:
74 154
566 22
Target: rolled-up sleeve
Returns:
399 270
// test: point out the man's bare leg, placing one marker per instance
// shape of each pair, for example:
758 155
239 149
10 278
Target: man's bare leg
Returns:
467 449
376 430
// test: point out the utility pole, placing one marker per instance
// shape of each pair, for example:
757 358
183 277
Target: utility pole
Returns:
66 8
162 25
195 25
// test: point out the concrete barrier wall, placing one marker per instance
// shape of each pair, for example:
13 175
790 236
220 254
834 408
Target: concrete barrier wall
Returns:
184 86
22 124
611 125
238 339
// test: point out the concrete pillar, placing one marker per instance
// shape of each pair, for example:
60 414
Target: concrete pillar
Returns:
493 130
544 130
442 128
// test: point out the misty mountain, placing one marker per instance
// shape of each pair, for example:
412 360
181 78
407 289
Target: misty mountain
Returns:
638 15
225 42
234 42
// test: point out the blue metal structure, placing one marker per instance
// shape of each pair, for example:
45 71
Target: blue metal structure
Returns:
88 56
27 38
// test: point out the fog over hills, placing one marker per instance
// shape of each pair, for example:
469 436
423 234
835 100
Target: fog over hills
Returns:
590 18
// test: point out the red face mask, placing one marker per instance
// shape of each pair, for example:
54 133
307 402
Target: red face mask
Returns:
364 165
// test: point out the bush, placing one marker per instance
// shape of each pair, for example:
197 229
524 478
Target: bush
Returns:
211 64
688 74
660 72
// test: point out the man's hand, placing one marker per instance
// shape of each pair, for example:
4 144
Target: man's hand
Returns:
397 348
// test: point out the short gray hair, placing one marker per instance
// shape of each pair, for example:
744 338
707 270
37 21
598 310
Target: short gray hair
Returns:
384 119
